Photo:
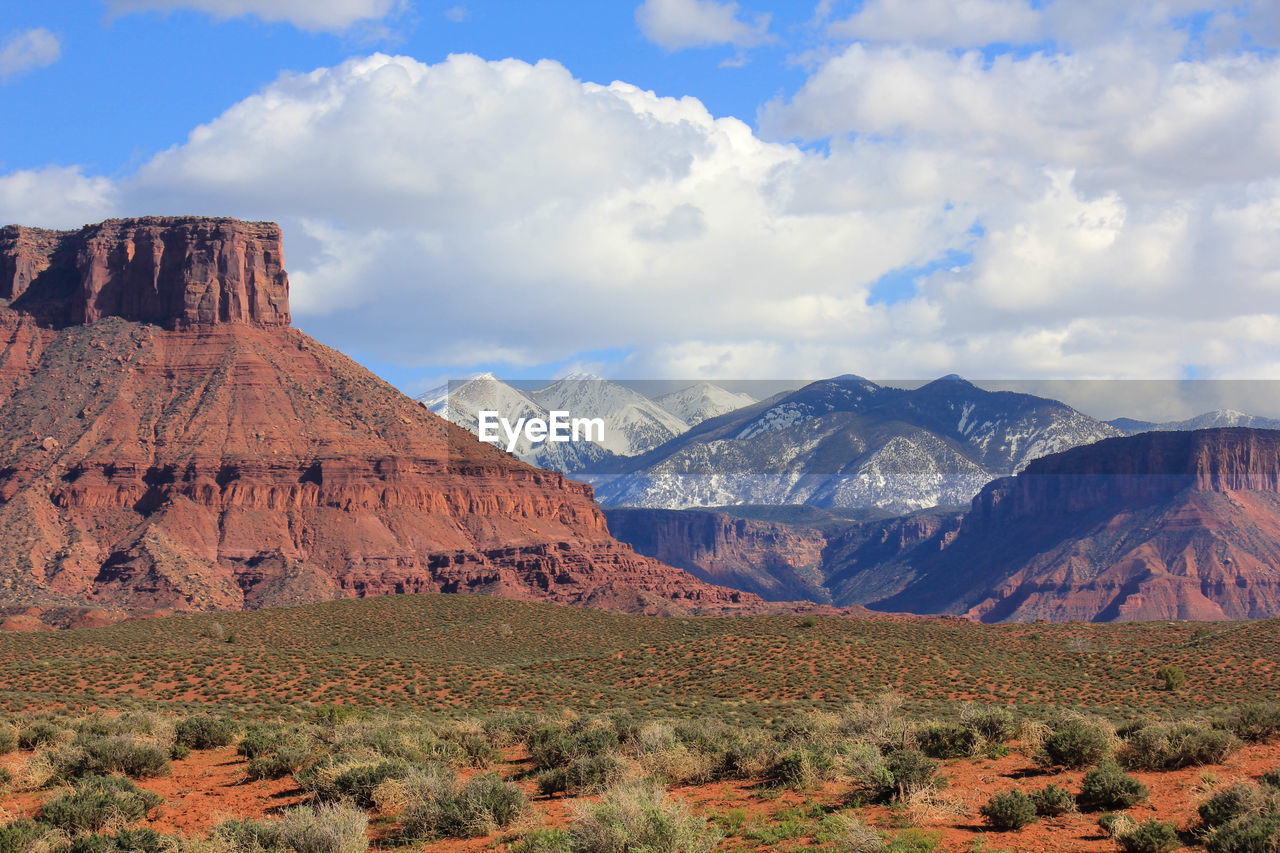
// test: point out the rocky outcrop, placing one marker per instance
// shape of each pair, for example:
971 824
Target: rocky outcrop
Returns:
1162 525
171 271
778 562
168 443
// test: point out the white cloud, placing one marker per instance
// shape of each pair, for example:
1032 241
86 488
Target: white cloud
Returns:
315 15
678 24
946 23
1113 215
55 197
28 50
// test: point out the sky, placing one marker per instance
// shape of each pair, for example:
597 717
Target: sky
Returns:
1015 189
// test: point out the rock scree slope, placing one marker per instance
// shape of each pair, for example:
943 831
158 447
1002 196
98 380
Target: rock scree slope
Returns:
168 442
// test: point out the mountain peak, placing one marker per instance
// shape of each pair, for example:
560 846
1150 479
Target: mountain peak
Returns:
171 271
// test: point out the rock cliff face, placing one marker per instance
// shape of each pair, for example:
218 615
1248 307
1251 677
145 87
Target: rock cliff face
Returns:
168 442
1161 525
171 271
778 562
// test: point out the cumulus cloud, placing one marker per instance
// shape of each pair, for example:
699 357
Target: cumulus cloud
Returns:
679 24
315 15
942 22
1102 213
28 50
55 197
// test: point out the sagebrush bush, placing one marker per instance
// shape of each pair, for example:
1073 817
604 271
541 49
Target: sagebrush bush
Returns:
1171 677
1173 746
1230 803
336 779
1076 743
1051 801
1109 787
204 731
994 724
1252 723
638 816
1150 836
24 836
543 841
590 774
95 801
484 804
552 746
912 771
800 768
125 841
97 756
949 740
1009 810
1251 833
327 828
8 739
42 733
278 763
853 836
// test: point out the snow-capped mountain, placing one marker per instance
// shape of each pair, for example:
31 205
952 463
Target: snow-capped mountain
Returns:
486 392
702 401
848 442
1208 420
633 423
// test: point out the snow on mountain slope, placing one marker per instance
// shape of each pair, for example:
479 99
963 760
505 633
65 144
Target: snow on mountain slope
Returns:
486 392
633 423
702 401
847 442
1208 420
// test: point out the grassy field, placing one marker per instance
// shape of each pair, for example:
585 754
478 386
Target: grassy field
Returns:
461 655
455 723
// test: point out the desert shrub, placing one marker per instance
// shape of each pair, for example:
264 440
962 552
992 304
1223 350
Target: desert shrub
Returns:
993 724
1051 801
1116 825
637 817
1009 810
555 746
912 771
800 768
1171 677
854 836
593 773
340 778
1271 778
95 801
99 756
23 836
8 739
743 755
327 828
949 740
6 779
1252 723
1252 833
42 733
1075 744
1150 836
260 739
485 803
543 841
1172 746
871 777
1108 787
1230 803
205 732
878 723
124 841
809 622
280 762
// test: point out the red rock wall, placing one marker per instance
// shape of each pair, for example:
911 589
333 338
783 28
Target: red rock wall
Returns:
169 271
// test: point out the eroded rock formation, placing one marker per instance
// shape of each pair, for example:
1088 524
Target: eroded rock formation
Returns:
168 442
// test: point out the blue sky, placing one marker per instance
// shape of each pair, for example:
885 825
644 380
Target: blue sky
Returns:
999 188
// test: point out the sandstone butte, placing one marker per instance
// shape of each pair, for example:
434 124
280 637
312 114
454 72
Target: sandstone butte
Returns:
170 443
1161 525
